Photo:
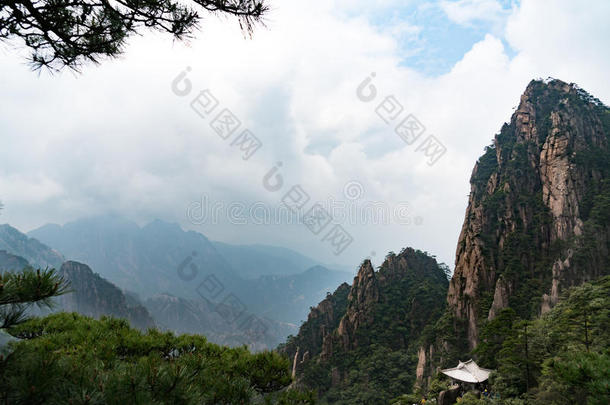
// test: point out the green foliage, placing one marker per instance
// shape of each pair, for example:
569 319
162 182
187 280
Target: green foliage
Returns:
372 375
412 290
581 376
492 337
564 353
68 358
309 335
486 165
21 290
447 335
438 384
88 30
470 399
407 399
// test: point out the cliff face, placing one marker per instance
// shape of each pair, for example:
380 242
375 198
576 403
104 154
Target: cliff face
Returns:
375 324
314 335
94 296
537 215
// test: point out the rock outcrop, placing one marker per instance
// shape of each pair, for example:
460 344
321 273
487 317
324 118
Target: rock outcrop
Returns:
535 221
361 299
94 296
315 335
379 320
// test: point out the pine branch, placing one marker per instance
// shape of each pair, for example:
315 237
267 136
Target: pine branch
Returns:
19 291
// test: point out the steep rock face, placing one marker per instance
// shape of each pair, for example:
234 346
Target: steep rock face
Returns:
314 337
535 221
94 296
362 296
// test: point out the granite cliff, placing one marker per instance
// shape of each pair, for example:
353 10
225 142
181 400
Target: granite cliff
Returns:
537 220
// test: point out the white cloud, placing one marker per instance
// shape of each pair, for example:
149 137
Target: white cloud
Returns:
116 138
469 12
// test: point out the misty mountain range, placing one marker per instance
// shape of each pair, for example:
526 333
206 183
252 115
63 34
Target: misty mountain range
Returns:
180 277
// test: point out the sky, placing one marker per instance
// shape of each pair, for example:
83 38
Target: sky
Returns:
363 121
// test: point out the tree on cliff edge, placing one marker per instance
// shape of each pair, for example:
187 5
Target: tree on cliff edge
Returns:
63 33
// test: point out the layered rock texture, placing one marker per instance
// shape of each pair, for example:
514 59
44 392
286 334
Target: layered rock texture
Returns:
372 327
537 216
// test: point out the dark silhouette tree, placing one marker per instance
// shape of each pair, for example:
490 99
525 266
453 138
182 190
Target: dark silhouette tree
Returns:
63 33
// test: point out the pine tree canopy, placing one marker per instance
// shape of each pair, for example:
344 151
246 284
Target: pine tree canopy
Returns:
63 33
19 291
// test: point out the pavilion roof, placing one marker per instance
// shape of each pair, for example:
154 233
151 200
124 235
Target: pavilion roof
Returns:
468 372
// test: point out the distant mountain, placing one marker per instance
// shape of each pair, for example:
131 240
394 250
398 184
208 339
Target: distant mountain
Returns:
11 262
145 259
94 296
251 261
220 324
90 294
159 261
37 254
288 298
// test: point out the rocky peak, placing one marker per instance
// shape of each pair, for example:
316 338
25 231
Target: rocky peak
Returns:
363 294
384 310
531 195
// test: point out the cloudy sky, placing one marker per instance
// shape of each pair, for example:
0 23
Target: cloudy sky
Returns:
119 138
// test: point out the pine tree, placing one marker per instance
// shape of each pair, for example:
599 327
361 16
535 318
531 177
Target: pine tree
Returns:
68 32
19 291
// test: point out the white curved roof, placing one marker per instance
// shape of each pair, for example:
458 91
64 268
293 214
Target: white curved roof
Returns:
468 372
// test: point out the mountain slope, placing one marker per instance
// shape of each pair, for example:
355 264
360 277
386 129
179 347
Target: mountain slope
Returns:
11 262
287 298
359 344
145 259
537 223
252 261
222 325
161 258
95 297
36 253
